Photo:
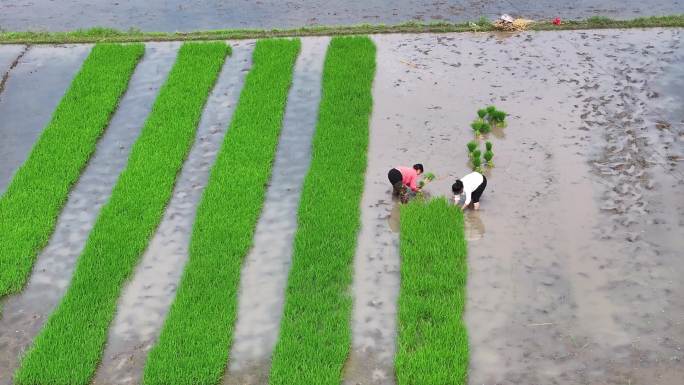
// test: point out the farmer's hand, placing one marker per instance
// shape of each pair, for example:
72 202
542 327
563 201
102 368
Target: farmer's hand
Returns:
476 205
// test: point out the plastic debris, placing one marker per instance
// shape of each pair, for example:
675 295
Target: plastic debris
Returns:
556 21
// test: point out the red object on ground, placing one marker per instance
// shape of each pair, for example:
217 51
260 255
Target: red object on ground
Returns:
557 21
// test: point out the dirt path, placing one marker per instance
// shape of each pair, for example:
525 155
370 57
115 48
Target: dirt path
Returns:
187 15
555 278
30 95
146 299
264 273
24 314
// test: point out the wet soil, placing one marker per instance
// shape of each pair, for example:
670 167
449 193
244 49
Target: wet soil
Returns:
574 255
264 274
188 15
30 94
147 297
25 313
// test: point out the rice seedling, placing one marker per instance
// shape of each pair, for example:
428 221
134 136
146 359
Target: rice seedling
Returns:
477 154
33 200
477 127
491 116
427 178
195 341
488 145
485 128
315 330
498 117
489 155
477 163
69 347
432 345
472 145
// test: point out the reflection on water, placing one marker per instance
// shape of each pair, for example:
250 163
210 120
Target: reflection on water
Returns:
474 227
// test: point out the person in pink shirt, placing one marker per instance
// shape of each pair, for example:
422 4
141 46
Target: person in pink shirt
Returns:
403 179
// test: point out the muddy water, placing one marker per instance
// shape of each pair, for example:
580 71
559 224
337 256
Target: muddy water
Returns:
264 274
560 288
146 299
10 55
32 91
185 15
25 313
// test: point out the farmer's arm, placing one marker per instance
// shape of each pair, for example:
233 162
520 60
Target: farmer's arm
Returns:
467 199
412 184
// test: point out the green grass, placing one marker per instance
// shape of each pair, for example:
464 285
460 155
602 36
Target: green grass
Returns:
33 200
432 338
194 343
69 347
315 331
100 34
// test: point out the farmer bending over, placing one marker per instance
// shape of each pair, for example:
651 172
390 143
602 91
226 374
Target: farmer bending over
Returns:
404 178
472 185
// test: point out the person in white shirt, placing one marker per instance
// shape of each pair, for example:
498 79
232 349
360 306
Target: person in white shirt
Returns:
472 186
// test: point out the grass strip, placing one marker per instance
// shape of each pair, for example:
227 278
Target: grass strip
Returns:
99 34
315 332
39 189
195 340
69 347
432 340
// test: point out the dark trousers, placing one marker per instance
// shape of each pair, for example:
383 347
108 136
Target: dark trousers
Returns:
479 190
398 188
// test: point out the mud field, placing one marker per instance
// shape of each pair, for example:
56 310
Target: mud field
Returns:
575 256
190 15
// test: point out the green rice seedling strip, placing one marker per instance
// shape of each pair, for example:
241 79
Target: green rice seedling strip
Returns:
432 341
33 200
315 332
69 347
195 341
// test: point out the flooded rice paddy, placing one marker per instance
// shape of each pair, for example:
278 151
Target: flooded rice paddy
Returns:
574 258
